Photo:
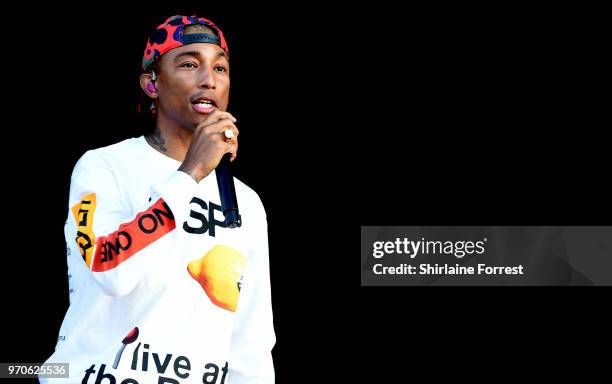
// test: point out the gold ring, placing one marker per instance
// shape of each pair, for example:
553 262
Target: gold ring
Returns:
229 134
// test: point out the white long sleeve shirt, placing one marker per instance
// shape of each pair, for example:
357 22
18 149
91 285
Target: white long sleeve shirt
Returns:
160 290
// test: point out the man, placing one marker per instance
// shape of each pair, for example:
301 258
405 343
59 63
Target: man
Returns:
161 290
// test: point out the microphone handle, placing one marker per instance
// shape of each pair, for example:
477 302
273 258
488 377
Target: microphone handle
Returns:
227 192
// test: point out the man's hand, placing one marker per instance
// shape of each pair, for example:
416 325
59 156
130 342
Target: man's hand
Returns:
208 145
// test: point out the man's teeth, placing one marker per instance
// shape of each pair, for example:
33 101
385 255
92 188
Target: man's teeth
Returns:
204 104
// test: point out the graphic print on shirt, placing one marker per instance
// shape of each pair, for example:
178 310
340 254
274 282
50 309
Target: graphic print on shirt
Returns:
219 273
160 366
203 217
129 339
146 228
83 213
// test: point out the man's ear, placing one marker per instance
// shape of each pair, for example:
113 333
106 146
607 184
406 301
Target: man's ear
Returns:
146 84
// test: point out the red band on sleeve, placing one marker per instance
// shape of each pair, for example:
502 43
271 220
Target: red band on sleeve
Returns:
130 238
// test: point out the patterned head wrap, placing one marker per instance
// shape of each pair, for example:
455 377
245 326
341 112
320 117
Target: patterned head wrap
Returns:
169 35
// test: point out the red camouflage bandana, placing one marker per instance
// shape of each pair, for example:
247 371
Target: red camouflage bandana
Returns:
169 35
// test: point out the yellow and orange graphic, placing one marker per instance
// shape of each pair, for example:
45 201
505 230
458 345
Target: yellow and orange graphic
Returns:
220 272
83 213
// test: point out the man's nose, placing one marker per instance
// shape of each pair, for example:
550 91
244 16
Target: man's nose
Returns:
207 79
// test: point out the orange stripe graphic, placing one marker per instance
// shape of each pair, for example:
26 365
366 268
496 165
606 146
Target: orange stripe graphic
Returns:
147 227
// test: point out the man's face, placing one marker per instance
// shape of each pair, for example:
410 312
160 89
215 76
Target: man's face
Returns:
192 83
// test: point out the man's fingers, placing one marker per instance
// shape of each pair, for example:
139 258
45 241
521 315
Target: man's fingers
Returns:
232 148
218 115
220 127
215 116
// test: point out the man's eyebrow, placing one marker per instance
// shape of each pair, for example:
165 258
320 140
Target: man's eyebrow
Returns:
187 53
197 55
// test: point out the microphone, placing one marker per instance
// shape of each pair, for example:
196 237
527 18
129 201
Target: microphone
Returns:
227 192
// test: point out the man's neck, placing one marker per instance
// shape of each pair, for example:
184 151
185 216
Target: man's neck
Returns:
169 139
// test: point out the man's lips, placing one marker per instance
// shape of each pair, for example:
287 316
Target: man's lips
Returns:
204 105
203 108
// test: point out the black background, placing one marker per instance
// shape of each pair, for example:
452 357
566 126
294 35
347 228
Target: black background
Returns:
74 86
357 116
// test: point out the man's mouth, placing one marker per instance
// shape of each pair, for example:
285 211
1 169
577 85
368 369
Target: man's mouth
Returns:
204 105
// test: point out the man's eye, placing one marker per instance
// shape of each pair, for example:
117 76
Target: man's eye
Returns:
220 68
188 65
